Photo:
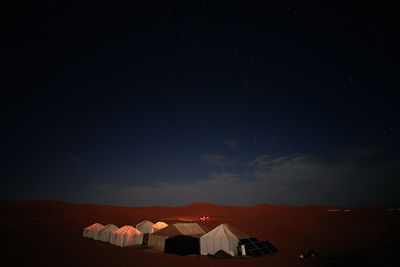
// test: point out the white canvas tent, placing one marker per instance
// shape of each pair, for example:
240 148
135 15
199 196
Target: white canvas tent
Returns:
157 226
223 237
91 230
145 227
157 239
126 236
105 233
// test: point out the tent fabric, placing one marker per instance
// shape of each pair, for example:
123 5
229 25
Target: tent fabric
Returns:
191 229
91 230
157 239
157 226
126 236
223 237
105 233
182 245
145 227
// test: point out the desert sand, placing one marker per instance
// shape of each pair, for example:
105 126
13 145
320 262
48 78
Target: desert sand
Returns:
49 233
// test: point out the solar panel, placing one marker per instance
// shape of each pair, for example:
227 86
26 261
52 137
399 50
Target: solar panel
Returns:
257 248
245 241
257 253
250 246
270 246
266 251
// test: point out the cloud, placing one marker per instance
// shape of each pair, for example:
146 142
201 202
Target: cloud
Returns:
295 179
364 155
218 160
231 143
217 189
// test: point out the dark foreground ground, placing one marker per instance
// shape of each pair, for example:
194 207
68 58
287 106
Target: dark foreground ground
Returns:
48 233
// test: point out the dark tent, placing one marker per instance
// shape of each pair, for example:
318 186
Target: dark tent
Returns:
182 245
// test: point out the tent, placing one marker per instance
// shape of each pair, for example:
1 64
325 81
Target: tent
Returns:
145 227
157 239
157 226
182 245
126 236
90 231
223 237
105 233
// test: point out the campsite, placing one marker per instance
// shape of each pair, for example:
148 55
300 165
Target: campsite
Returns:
49 233
206 133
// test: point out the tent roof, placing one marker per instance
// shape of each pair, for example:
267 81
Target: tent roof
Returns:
144 222
127 229
191 229
159 225
109 228
226 230
95 226
162 224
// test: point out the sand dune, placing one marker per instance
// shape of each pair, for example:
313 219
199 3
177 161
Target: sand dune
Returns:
48 233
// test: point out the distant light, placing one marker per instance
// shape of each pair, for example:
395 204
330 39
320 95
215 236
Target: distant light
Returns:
205 218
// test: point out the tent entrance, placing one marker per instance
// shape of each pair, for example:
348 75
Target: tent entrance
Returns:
145 240
182 245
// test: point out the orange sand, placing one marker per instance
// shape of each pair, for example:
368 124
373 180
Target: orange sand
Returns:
48 233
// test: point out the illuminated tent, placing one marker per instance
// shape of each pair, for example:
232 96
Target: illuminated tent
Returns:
223 237
145 227
91 230
126 236
105 233
157 226
157 239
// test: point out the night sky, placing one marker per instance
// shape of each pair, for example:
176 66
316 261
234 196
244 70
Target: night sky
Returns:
175 102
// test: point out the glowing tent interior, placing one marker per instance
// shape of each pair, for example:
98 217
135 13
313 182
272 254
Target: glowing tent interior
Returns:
91 230
157 226
126 236
105 233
